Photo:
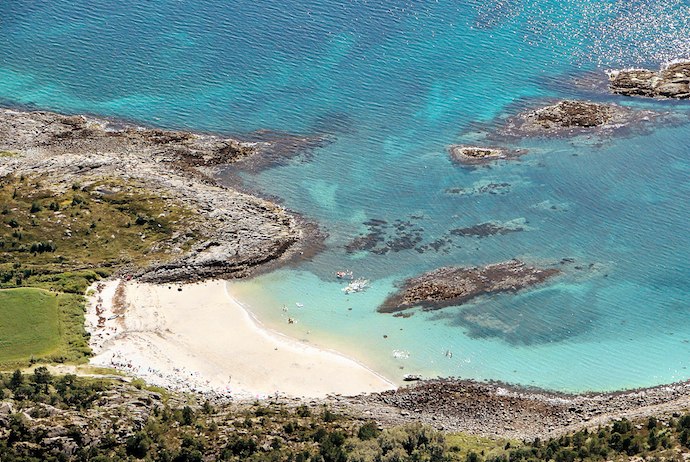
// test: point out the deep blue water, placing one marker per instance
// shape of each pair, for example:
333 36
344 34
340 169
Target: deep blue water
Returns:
391 85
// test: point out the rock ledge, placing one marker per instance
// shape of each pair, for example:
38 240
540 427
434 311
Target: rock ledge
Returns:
233 232
450 286
671 81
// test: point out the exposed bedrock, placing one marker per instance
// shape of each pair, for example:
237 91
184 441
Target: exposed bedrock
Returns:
496 408
671 81
452 286
477 155
76 134
232 233
572 117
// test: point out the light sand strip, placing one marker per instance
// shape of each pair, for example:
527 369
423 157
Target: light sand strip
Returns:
201 339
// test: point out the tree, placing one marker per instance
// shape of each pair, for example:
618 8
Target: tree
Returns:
16 380
187 416
138 445
368 431
42 375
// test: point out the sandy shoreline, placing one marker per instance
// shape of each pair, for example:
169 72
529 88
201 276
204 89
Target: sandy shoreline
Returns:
201 339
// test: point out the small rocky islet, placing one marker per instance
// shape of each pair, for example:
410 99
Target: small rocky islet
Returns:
477 155
453 286
573 117
671 81
564 118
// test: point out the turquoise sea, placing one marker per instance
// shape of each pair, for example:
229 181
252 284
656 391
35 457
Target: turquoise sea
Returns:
390 84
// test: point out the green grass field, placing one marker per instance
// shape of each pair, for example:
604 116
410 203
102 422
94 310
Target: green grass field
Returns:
41 326
29 324
56 240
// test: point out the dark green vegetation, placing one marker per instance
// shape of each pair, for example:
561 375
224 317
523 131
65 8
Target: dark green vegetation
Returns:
64 392
63 239
148 426
66 418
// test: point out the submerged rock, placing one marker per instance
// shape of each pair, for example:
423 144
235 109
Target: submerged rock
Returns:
477 155
671 81
491 228
384 237
452 286
482 187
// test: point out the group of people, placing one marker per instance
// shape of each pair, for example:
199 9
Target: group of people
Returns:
180 379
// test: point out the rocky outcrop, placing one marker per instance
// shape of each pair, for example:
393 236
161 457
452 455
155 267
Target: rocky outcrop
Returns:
452 286
572 114
76 134
571 117
476 155
671 81
496 408
61 431
232 232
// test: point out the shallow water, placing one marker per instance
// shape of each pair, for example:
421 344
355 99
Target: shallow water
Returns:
391 85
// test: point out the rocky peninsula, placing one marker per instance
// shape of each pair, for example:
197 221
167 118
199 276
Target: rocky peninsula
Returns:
451 286
671 81
229 233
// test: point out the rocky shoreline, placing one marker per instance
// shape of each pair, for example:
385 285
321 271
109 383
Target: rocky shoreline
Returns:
237 233
671 81
232 233
450 286
498 409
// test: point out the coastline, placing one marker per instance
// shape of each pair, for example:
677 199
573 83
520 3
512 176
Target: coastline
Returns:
234 232
495 408
219 349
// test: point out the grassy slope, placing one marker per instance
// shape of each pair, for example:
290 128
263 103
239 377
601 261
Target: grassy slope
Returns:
460 445
64 240
29 324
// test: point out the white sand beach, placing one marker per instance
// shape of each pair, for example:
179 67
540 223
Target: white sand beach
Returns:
201 339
